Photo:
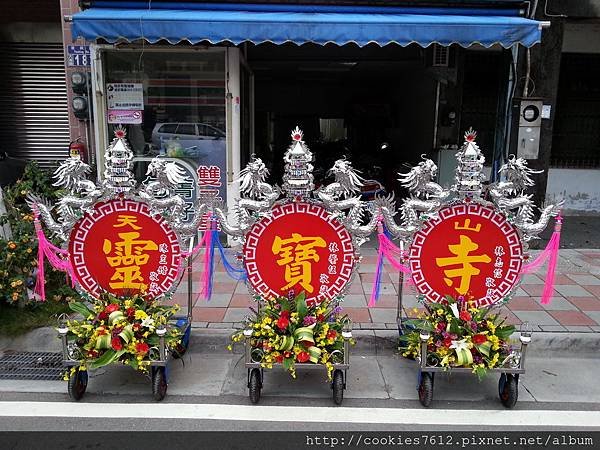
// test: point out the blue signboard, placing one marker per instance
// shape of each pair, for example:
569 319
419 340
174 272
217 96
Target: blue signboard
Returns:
78 55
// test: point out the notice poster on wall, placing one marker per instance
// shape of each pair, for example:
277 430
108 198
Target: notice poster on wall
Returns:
125 116
125 96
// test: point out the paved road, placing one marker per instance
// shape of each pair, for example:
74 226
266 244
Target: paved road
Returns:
207 391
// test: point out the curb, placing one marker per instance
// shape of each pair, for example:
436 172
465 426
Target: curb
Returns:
379 342
368 342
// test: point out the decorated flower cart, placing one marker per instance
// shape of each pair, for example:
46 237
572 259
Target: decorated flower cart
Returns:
300 252
467 248
123 251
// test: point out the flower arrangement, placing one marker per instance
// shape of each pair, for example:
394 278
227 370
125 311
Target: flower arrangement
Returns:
460 336
120 329
288 331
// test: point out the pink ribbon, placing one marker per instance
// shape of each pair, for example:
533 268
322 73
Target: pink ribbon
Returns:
392 253
57 257
550 254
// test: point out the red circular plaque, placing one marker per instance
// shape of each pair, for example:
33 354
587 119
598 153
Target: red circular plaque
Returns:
122 249
469 250
299 247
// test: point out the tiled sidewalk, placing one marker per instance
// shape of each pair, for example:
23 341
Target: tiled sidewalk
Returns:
575 306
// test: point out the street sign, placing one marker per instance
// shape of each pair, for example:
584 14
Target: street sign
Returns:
125 96
78 56
126 116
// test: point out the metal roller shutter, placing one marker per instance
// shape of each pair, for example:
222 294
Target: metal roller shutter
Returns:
34 118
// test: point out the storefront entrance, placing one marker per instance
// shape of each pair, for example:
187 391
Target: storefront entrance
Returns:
375 105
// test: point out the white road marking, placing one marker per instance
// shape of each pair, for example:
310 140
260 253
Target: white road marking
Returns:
318 414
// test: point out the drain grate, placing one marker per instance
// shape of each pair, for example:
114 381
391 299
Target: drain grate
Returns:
31 366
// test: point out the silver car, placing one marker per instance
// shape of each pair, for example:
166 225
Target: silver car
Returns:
164 132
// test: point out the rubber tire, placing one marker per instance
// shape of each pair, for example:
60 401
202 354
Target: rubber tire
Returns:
159 383
78 384
254 386
425 389
508 390
337 385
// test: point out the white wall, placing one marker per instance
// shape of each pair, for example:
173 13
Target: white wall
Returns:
580 188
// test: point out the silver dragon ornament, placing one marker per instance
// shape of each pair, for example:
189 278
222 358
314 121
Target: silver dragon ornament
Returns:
82 194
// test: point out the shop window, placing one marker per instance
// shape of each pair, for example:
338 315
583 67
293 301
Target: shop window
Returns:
170 100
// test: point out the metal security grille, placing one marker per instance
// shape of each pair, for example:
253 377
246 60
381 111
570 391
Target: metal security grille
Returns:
34 119
441 56
31 366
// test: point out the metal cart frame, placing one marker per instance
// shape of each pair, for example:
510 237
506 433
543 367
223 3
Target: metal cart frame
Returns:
256 370
508 383
158 367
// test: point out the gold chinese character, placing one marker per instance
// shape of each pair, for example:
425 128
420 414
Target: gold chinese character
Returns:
467 226
124 220
127 258
296 254
462 258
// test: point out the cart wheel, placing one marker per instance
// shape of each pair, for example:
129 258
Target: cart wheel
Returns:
508 389
338 386
159 383
254 386
78 384
426 389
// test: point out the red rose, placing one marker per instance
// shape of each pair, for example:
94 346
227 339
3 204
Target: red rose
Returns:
142 348
479 339
285 314
320 318
116 343
283 322
130 312
331 334
287 354
465 315
111 308
447 342
103 315
136 326
279 359
441 326
302 357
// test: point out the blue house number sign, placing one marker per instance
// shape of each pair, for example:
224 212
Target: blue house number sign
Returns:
78 55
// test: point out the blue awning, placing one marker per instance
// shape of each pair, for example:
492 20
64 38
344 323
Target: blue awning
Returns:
239 23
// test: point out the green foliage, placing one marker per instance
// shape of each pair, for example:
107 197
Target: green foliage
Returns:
19 254
288 331
16 321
